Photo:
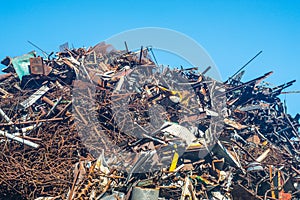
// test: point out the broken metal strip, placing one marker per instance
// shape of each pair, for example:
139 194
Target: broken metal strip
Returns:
35 96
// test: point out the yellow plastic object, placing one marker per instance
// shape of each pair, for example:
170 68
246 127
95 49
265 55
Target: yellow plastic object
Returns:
174 161
194 146
172 92
202 179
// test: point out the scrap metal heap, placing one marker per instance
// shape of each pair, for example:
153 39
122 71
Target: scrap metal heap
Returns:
101 123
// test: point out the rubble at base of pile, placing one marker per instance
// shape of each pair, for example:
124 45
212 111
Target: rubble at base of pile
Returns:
60 117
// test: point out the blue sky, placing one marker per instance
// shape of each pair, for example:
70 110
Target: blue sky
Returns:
231 31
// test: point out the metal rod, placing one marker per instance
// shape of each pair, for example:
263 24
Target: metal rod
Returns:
141 54
126 46
245 65
44 52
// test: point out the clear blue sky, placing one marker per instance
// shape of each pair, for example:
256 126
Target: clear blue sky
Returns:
231 31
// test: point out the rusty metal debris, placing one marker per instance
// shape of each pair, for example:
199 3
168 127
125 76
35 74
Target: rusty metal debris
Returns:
255 154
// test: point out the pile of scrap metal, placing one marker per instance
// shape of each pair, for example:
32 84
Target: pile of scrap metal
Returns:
101 123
